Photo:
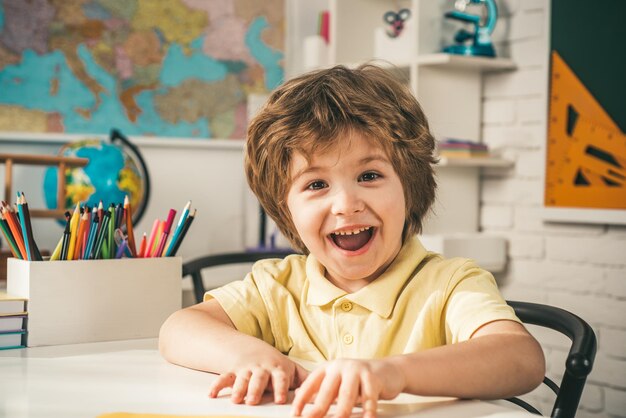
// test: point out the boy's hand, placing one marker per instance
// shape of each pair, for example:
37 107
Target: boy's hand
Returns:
348 382
250 381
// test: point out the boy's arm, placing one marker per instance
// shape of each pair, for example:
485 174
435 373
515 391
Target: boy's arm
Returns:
500 360
203 337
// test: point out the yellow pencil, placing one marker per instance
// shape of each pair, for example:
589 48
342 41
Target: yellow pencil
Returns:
56 254
73 231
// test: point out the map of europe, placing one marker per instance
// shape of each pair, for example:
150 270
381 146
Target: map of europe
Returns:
173 68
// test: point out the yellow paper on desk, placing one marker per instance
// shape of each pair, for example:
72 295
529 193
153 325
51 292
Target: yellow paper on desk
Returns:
136 415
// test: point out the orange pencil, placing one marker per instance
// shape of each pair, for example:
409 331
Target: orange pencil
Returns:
129 227
9 216
80 236
142 246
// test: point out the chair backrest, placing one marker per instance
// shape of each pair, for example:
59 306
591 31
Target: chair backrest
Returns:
194 267
579 359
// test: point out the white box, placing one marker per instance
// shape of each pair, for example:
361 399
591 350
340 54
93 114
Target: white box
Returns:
315 51
96 300
488 251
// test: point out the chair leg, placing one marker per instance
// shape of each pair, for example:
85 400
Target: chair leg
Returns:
198 286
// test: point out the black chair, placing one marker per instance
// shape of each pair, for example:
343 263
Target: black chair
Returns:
579 360
194 267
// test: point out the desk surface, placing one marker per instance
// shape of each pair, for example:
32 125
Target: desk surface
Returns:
87 380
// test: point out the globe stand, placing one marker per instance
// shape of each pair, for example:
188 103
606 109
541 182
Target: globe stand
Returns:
62 164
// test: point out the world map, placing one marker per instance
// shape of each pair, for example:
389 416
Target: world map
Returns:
174 68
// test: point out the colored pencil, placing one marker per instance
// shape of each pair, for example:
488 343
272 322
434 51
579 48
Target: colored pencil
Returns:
103 231
159 234
129 227
142 246
56 254
151 238
166 231
88 225
180 238
74 220
80 239
25 216
100 210
120 249
67 234
179 228
29 254
9 237
110 252
9 216
92 235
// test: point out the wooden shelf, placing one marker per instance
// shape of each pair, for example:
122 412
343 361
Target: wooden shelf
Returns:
474 162
60 162
464 62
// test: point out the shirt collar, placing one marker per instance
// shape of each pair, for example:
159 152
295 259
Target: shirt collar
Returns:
379 296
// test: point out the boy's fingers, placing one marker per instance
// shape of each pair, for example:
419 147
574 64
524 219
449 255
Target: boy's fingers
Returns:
307 391
280 385
225 380
256 386
369 398
240 387
326 395
348 395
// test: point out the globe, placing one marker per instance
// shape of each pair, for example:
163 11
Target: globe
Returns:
113 172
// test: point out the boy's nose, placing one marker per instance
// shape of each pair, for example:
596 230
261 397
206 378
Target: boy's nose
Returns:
346 202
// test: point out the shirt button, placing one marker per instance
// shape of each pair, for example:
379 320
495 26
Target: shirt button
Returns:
346 306
348 339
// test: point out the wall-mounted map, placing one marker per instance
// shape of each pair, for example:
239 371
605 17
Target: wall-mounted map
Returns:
175 68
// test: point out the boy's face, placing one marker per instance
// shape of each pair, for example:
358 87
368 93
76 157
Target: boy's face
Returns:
348 208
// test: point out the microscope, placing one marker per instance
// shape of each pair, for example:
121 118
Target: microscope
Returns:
481 37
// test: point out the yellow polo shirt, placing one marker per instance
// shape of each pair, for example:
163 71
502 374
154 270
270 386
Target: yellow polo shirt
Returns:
421 301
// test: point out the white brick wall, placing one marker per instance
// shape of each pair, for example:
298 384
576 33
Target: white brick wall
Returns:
579 267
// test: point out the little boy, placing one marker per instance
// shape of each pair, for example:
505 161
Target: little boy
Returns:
342 160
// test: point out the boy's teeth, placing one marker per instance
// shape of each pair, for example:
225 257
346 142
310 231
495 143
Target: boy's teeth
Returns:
354 231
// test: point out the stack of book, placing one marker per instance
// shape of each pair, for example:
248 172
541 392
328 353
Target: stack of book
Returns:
457 148
12 321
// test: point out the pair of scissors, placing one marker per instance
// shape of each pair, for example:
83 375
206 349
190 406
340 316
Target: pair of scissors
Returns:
396 21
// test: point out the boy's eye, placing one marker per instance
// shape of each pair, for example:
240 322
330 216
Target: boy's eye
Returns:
369 176
316 185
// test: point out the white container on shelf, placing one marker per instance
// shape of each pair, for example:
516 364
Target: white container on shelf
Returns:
396 50
315 52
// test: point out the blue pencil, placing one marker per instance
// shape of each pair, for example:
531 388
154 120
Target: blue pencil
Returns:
179 228
93 231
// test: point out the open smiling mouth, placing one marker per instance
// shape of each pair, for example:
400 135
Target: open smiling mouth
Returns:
353 240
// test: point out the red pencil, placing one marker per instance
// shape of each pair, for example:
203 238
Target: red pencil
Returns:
166 231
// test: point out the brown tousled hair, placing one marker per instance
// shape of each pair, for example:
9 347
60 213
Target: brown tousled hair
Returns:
307 114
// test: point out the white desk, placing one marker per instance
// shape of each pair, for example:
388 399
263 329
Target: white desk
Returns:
87 380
